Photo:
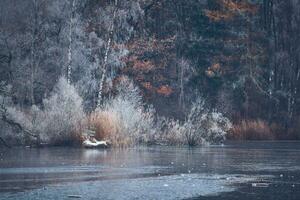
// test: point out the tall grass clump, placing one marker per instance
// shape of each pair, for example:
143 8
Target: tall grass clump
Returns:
252 130
123 119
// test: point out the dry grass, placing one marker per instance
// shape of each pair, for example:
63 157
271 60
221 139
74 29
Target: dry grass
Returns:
108 126
252 130
72 138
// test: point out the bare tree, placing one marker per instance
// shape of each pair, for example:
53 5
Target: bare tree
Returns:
70 38
108 45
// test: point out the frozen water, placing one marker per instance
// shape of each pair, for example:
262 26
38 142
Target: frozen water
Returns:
252 170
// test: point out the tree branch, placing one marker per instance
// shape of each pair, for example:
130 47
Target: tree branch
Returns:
4 143
13 123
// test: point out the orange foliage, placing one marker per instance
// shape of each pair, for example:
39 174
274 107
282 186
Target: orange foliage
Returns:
165 90
214 70
231 8
139 47
242 6
217 15
147 65
142 65
137 64
215 67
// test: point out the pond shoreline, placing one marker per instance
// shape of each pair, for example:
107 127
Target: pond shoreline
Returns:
146 144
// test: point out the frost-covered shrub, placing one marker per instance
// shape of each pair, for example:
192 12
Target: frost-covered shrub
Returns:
130 122
215 126
171 132
193 129
187 132
123 119
204 126
59 120
62 114
200 126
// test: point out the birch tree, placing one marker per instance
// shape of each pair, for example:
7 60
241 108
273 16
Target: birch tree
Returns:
33 48
185 73
70 40
108 46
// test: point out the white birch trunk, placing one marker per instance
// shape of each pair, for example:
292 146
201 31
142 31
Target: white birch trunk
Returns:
70 38
110 36
181 96
293 95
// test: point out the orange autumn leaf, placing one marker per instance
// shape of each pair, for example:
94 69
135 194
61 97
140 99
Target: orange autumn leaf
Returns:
164 90
230 9
214 70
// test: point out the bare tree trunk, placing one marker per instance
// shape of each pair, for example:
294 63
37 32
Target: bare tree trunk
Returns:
183 65
33 50
70 38
181 96
110 36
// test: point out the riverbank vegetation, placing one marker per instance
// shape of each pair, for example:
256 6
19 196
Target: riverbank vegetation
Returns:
123 120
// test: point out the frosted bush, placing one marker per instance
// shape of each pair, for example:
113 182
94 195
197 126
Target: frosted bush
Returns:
215 126
201 126
193 125
171 132
136 123
204 126
58 121
190 131
62 114
20 117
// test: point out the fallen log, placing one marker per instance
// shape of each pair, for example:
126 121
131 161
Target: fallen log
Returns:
95 144
74 196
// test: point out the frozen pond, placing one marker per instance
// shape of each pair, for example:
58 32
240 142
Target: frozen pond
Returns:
236 170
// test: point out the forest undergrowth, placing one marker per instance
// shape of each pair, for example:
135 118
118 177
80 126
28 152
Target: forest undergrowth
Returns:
123 119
